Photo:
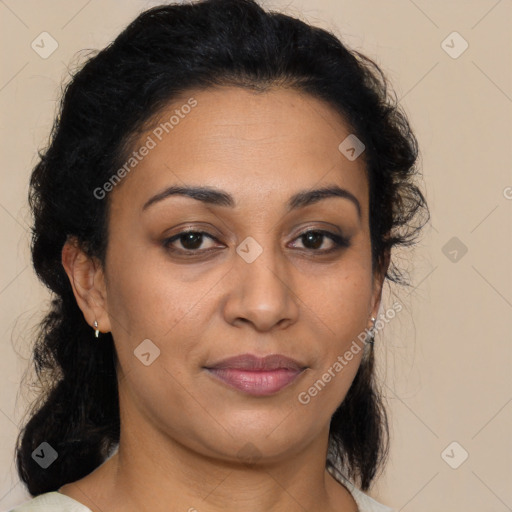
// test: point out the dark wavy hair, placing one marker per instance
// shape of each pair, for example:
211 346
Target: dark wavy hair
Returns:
165 52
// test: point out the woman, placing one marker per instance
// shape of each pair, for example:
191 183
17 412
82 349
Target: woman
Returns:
215 215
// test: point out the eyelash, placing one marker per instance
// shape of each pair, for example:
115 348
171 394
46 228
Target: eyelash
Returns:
340 242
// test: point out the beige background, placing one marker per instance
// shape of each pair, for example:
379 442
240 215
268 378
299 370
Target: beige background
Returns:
445 360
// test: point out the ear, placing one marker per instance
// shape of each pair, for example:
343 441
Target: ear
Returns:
88 282
378 283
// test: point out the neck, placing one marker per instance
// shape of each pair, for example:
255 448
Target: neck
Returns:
147 476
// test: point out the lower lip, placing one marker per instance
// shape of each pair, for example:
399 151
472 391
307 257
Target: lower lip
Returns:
256 383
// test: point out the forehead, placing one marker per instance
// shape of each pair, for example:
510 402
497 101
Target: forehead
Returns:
261 147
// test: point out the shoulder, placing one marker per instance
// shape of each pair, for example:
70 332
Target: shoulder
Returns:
51 502
367 504
364 502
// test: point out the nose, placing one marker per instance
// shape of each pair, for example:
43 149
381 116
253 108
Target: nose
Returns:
261 293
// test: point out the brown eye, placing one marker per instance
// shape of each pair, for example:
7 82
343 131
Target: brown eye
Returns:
314 239
191 241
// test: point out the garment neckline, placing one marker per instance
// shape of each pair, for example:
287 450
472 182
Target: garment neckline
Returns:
86 508
356 493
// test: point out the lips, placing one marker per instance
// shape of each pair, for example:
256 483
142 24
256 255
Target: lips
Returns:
257 376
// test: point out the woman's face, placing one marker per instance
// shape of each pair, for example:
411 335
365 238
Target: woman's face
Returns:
250 285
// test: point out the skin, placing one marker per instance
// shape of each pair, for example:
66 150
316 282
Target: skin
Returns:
181 429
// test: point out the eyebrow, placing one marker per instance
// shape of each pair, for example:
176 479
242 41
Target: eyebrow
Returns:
218 197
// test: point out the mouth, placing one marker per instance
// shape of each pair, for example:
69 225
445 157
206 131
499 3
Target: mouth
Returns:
257 376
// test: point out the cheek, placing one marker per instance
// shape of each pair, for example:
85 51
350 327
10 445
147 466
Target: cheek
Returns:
342 305
149 296
342 301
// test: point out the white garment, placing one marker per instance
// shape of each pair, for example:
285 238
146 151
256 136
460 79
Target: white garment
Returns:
57 502
364 502
51 502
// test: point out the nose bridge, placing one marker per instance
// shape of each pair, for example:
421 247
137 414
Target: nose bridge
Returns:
261 291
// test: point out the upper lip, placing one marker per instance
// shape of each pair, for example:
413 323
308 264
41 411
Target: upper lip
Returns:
254 363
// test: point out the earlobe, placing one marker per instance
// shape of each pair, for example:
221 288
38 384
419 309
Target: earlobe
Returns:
87 281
